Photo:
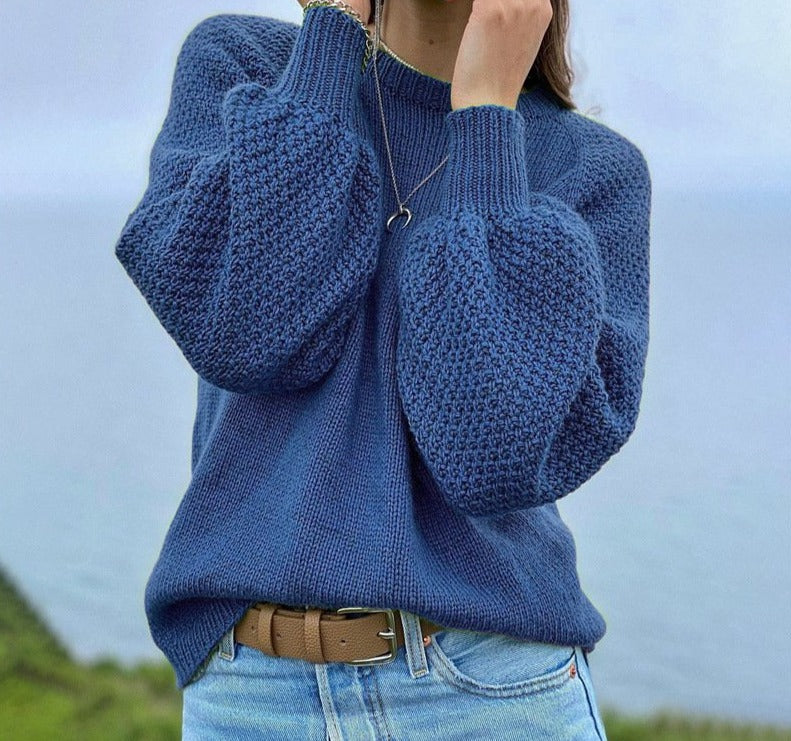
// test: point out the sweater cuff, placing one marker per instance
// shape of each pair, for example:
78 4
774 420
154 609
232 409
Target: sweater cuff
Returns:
487 164
325 67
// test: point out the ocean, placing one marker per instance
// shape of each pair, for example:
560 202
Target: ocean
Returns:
682 538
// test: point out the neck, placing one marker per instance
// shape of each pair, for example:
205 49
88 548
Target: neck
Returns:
425 33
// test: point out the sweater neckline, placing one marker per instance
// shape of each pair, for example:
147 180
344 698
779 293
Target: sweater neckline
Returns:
430 92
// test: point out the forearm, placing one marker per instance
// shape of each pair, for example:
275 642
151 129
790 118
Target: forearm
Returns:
254 241
523 323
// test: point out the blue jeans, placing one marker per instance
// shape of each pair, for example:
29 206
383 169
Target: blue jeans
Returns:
464 685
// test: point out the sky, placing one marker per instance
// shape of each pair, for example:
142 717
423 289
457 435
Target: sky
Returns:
702 88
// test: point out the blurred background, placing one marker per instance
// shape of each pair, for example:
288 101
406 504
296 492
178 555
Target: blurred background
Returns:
682 538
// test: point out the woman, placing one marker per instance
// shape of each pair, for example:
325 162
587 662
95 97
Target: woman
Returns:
393 391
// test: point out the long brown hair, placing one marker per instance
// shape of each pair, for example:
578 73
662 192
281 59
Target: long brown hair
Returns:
552 69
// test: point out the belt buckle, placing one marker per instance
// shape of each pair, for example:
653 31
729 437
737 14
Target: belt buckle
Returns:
390 634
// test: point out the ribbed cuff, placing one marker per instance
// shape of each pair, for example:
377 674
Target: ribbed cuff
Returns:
487 165
325 67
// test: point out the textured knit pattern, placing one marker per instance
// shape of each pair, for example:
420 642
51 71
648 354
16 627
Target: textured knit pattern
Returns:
384 419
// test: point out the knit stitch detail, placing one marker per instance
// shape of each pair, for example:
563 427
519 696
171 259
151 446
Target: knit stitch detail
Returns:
254 307
384 419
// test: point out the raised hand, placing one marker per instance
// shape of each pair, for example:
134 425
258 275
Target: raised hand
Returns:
497 50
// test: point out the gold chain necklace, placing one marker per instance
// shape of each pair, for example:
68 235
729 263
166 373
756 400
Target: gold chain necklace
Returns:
393 54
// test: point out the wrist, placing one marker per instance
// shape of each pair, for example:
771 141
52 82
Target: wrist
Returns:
486 167
323 71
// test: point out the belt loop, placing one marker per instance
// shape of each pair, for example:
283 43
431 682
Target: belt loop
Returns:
227 648
413 642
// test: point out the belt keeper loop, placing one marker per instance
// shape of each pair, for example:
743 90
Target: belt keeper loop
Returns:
312 636
266 611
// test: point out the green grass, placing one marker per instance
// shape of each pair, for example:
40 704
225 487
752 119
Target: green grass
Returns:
670 726
44 693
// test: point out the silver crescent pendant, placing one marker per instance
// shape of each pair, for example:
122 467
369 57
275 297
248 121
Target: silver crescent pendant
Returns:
403 212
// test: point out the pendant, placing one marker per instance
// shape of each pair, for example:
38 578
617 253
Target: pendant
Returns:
403 211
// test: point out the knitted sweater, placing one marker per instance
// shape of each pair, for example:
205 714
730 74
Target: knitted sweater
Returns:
384 418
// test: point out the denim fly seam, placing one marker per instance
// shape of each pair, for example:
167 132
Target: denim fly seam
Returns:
415 652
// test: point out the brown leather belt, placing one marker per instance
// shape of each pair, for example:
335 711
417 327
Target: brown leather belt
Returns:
352 635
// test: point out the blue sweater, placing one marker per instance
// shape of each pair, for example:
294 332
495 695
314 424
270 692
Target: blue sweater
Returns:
384 418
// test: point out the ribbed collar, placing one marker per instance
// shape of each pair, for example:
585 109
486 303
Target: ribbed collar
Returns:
430 92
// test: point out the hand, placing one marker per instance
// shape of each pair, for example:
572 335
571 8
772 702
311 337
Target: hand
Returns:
363 7
498 48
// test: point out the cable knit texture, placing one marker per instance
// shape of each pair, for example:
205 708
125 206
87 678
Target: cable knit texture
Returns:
384 419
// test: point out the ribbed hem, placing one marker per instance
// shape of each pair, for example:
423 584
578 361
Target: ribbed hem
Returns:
325 67
486 170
